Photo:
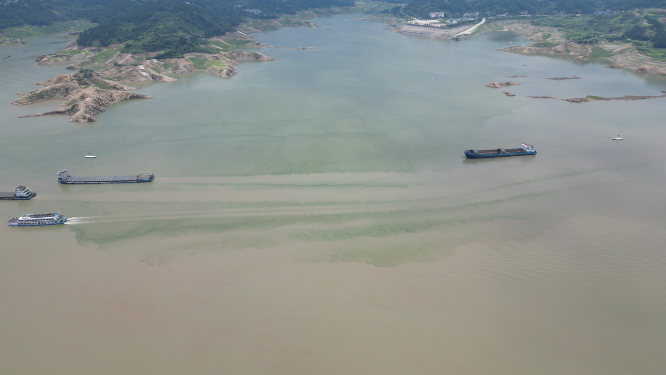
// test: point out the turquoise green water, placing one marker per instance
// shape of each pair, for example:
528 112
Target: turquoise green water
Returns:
315 214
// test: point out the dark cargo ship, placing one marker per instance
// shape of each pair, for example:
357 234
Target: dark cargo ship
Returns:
65 178
501 152
20 192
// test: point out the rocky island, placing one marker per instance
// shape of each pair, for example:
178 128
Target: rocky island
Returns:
496 85
89 92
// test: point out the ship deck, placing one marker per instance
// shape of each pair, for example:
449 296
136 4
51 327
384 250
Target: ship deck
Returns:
102 178
494 151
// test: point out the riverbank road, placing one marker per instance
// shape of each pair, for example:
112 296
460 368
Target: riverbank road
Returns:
471 29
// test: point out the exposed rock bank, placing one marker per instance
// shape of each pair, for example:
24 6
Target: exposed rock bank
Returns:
571 49
129 67
579 100
87 95
11 41
563 78
497 85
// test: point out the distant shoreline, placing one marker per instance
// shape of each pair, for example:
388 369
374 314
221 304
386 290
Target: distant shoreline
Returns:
549 41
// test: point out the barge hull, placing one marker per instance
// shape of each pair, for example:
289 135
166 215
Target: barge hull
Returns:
65 178
13 197
496 155
500 152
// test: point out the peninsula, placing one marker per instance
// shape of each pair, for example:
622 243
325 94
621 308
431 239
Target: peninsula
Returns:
152 42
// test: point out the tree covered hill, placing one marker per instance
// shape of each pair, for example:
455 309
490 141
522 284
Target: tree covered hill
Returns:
177 28
634 4
45 12
421 8
172 26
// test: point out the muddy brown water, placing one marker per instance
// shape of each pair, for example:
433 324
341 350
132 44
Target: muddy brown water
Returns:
315 214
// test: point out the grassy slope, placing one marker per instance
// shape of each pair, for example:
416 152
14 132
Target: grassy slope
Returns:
605 28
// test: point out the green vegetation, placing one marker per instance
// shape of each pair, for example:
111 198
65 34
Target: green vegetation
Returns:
222 45
106 55
39 96
83 74
231 44
175 30
595 97
544 44
25 31
236 43
219 63
579 29
600 53
148 24
642 29
102 85
453 8
199 63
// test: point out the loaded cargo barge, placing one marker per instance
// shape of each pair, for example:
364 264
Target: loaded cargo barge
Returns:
20 192
65 178
501 152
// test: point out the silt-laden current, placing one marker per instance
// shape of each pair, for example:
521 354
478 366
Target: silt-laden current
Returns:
316 215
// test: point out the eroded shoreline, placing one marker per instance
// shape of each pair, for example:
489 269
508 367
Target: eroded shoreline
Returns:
622 55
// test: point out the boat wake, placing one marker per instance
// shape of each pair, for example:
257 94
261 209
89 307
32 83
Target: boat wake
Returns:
80 220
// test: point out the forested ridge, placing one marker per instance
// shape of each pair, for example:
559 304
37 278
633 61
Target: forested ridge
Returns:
421 8
172 26
174 29
637 21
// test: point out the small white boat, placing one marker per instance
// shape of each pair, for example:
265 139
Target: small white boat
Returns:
618 138
91 156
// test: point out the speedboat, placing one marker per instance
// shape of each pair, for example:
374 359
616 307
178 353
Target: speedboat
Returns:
618 138
91 156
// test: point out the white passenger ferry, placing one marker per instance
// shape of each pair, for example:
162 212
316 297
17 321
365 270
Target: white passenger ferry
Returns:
28 220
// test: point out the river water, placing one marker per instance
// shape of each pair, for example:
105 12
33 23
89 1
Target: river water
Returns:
315 214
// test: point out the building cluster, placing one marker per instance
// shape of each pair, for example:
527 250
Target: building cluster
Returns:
466 16
432 23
